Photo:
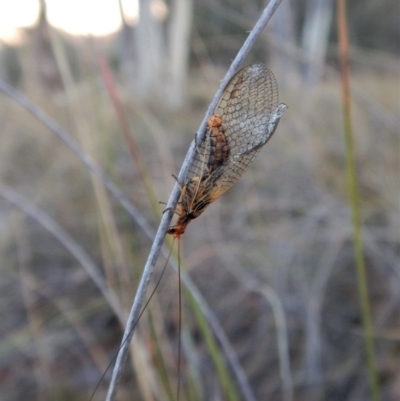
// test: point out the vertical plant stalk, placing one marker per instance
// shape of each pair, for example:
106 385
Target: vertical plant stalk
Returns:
162 229
110 85
354 199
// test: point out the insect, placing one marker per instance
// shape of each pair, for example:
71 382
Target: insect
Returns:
245 118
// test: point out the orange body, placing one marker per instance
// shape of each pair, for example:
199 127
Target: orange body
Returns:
196 195
219 148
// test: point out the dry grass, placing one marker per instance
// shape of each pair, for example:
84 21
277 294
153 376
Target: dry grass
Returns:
273 257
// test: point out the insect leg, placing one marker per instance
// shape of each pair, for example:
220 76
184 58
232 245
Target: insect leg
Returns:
174 211
181 186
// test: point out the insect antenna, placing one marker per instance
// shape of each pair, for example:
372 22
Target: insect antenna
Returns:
179 320
140 315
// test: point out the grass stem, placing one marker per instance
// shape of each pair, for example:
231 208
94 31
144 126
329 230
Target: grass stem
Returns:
354 199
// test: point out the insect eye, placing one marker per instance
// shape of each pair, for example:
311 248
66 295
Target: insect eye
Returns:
171 230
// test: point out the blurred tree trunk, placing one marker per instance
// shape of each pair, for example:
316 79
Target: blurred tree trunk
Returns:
162 59
126 48
284 65
150 47
315 36
44 63
179 47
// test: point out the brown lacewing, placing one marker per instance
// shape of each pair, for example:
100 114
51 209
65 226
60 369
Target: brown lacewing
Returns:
244 120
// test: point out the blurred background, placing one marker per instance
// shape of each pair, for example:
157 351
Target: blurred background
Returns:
273 257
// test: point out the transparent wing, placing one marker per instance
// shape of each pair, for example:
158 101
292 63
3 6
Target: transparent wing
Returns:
240 126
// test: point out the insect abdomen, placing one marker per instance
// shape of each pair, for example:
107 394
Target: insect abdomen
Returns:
219 148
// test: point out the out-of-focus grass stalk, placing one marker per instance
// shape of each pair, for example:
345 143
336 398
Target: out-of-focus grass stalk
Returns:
354 198
160 360
40 369
112 246
222 372
125 128
108 226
